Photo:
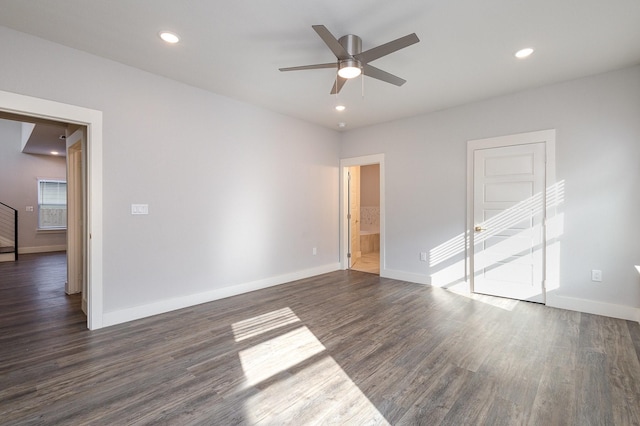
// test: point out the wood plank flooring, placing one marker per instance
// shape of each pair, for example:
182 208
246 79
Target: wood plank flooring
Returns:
341 348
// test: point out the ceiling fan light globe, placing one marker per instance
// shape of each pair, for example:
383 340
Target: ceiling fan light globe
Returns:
349 68
349 72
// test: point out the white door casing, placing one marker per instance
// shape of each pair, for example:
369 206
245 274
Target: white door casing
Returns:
17 104
508 179
345 163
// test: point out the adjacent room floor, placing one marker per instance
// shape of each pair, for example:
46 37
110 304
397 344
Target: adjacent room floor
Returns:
368 262
341 348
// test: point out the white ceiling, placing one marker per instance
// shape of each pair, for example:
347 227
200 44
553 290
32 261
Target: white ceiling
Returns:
235 48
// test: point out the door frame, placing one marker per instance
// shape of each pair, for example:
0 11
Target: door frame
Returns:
345 163
13 103
549 258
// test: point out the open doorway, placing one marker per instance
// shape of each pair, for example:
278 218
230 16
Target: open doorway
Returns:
364 218
25 108
44 161
362 214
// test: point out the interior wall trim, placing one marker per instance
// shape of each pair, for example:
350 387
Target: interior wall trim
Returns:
168 305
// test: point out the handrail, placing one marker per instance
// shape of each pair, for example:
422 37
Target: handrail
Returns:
5 223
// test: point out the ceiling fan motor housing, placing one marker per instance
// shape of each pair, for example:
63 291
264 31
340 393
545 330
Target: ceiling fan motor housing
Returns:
351 43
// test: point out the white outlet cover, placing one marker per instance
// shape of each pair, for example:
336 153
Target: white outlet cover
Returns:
139 208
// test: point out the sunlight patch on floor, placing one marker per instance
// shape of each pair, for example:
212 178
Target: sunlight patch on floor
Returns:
462 289
268 358
290 376
255 326
319 393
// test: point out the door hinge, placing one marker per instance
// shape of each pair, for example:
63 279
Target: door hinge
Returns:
349 216
348 255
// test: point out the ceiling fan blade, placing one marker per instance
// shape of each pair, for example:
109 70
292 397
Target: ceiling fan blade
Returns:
337 85
377 73
387 48
331 42
311 67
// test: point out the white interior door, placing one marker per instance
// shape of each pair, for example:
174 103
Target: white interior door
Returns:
508 212
354 215
76 280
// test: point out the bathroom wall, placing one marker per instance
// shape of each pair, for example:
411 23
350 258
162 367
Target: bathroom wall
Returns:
370 198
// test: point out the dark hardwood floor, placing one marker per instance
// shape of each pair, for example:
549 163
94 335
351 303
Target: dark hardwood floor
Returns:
341 348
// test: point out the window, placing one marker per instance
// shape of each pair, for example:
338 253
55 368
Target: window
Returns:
52 204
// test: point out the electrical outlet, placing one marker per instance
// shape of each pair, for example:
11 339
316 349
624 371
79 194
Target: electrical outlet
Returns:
596 275
139 209
315 251
423 256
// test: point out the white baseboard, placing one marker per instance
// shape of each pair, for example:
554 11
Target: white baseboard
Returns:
594 307
160 307
42 249
405 276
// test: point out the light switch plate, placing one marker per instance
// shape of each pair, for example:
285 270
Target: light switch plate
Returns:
139 208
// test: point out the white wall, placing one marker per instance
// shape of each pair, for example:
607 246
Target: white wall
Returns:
598 158
236 194
19 175
239 196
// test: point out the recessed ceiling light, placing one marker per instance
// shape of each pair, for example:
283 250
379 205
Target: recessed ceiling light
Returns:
342 125
54 152
340 107
169 37
523 53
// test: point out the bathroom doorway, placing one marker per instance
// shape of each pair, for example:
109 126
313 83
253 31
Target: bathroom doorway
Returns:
363 214
367 234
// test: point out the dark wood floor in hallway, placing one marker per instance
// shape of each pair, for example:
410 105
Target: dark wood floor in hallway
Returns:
341 348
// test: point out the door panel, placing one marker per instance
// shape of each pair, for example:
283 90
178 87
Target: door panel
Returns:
508 208
76 270
354 212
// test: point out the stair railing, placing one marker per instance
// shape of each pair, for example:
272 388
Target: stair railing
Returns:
8 230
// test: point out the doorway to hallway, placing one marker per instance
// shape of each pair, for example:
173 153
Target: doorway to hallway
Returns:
40 109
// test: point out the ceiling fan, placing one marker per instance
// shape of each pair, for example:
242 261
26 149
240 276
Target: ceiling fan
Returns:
351 61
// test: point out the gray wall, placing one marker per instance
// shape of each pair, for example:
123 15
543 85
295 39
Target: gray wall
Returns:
236 193
19 175
598 156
